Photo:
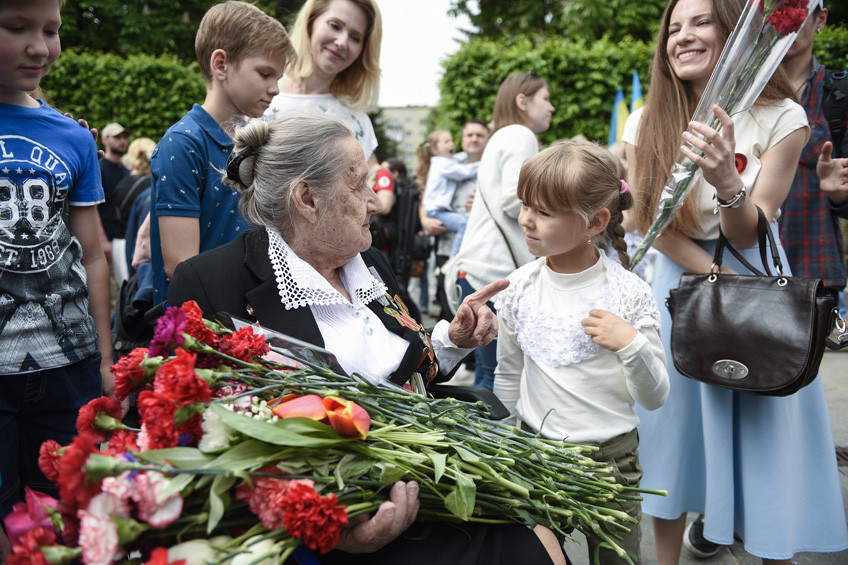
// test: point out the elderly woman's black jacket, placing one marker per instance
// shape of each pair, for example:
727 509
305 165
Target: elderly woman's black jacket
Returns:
237 278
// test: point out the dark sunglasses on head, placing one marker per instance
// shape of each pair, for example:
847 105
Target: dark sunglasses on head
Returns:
532 73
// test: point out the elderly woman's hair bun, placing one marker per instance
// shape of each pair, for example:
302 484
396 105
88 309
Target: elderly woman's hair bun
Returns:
249 140
271 158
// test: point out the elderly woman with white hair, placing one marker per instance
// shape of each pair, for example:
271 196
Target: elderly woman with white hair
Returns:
308 270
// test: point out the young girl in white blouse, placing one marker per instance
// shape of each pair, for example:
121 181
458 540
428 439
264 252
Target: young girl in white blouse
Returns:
578 341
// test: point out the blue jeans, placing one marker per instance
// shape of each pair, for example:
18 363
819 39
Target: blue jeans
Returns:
453 222
35 407
486 357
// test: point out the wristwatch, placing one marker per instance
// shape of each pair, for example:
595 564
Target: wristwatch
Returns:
735 202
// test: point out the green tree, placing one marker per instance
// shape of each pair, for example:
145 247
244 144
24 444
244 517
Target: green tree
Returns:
153 27
576 19
386 146
583 77
587 19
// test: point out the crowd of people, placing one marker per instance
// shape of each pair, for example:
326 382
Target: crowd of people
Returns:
267 201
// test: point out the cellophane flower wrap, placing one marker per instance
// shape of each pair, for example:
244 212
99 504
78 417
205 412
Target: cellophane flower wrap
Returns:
242 457
761 38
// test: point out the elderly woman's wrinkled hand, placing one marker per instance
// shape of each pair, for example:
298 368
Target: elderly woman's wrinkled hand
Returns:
366 535
475 324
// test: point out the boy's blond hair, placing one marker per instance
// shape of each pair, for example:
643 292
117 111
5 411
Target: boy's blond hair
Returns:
359 84
242 30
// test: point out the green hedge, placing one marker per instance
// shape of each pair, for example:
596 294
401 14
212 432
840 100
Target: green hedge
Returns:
144 93
583 79
831 47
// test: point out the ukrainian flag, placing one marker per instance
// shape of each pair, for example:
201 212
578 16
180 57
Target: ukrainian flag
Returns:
619 116
636 101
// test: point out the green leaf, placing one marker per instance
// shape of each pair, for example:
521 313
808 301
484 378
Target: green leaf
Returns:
465 454
351 465
460 500
439 462
179 457
177 484
390 474
244 455
219 499
290 432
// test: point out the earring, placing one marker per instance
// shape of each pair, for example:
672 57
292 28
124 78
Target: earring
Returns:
589 241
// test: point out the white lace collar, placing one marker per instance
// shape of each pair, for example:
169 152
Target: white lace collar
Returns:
299 284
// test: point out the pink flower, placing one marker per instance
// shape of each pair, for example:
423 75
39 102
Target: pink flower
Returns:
147 492
98 536
30 513
120 488
168 332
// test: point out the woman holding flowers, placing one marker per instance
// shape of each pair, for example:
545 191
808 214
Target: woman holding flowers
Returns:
308 270
759 465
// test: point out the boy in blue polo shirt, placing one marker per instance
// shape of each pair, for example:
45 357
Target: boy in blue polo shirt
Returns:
242 53
54 280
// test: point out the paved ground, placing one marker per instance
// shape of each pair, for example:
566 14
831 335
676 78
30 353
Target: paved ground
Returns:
834 371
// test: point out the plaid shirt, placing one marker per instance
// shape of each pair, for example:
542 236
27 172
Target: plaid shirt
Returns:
808 224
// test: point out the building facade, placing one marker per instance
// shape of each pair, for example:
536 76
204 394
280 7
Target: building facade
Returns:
407 126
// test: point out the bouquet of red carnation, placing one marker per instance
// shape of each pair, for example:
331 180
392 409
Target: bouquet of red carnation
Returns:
241 459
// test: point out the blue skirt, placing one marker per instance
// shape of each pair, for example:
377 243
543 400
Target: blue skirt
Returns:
760 465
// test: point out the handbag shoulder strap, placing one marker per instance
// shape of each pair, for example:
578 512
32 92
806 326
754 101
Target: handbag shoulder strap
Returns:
500 229
765 237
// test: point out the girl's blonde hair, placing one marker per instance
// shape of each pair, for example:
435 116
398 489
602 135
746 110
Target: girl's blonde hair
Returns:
138 154
424 152
668 108
580 177
359 84
507 111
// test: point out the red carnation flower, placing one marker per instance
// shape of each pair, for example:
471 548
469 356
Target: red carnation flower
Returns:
789 17
88 413
157 420
178 381
121 442
129 374
160 557
265 499
244 344
194 323
48 459
73 489
27 551
311 518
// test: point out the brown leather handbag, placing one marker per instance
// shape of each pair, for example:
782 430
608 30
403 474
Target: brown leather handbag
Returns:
763 333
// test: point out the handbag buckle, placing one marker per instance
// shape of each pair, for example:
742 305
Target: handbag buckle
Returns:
730 369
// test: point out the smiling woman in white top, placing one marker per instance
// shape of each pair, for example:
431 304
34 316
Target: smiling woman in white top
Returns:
762 466
337 70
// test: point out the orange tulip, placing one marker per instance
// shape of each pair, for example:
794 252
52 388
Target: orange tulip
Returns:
347 418
294 406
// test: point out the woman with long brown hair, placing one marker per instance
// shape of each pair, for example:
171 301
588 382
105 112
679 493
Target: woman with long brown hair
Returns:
761 466
493 245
